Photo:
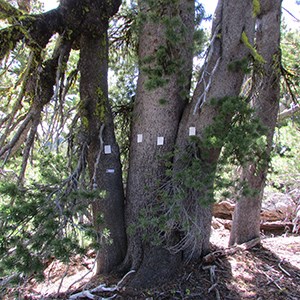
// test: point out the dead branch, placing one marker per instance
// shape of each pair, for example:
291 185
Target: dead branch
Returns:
286 75
10 125
87 273
283 270
6 280
29 145
56 123
63 277
213 280
8 147
43 95
102 288
290 112
206 86
271 280
211 257
296 19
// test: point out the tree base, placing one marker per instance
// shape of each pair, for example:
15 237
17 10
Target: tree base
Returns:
158 267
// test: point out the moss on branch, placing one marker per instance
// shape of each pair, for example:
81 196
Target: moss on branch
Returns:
256 8
7 11
35 30
8 40
257 57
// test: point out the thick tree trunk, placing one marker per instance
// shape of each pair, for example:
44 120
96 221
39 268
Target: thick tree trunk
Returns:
197 156
103 152
265 101
162 91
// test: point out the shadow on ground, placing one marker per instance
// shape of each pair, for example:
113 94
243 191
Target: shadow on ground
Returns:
267 272
261 274
256 274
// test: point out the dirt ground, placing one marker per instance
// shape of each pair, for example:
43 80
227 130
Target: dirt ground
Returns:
268 271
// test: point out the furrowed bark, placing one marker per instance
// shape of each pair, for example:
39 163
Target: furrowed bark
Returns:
157 113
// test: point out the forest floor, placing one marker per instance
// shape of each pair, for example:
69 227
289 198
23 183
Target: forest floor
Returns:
268 271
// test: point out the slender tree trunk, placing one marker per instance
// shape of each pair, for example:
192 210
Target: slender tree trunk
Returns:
265 101
103 152
163 87
196 162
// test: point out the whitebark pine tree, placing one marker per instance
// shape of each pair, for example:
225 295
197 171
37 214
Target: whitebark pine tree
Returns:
171 175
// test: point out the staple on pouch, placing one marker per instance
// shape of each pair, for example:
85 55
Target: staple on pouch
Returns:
110 171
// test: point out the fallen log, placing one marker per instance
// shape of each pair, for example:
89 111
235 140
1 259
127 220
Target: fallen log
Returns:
277 227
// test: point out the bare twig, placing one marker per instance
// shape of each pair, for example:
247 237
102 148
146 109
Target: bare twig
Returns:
271 280
62 53
212 287
206 87
213 280
289 84
8 147
203 96
8 279
63 277
86 274
296 19
18 104
283 270
29 144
